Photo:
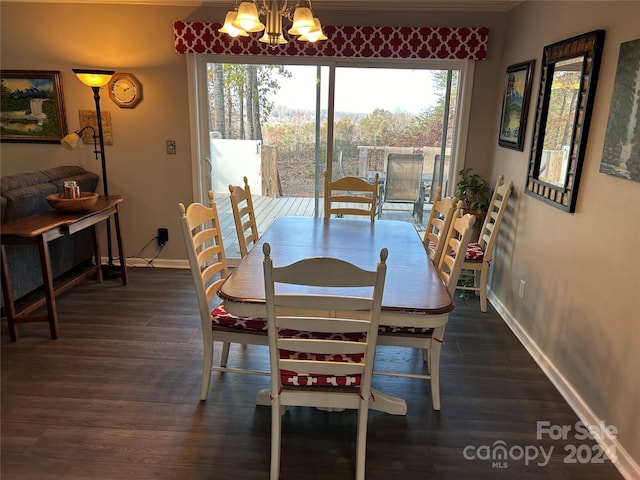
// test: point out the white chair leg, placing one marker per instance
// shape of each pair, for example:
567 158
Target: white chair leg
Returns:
484 273
225 354
361 439
275 439
435 370
207 363
477 281
427 358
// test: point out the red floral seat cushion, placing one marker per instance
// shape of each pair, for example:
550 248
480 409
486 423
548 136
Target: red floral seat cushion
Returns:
220 316
388 329
474 252
320 380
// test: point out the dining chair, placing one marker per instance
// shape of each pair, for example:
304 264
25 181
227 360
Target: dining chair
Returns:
322 340
437 226
403 182
209 269
350 196
430 339
244 216
479 255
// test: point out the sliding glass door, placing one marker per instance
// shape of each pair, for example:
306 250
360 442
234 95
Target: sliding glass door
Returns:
279 123
382 110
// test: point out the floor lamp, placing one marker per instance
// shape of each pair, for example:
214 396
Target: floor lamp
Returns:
96 79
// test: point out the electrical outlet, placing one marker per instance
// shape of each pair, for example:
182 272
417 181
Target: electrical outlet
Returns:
521 291
171 147
163 236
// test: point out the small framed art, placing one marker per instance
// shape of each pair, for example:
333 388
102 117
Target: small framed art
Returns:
515 105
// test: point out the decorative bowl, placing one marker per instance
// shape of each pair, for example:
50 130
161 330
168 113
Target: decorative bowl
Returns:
69 205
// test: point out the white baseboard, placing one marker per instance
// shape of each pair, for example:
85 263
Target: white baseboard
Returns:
159 263
625 464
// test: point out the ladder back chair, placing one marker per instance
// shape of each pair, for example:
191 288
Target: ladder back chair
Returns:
437 227
430 339
403 182
479 255
350 196
209 269
322 341
244 216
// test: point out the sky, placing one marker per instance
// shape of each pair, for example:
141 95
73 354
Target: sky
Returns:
359 90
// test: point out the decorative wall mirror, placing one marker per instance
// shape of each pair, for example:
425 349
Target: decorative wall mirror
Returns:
565 100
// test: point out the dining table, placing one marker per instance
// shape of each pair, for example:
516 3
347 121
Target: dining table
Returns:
414 294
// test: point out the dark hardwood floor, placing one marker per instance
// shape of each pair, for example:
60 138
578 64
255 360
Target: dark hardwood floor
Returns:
117 397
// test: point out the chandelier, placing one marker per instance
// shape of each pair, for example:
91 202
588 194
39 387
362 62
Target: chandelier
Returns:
244 18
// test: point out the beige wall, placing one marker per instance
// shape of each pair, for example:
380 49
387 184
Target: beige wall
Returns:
139 39
581 300
579 297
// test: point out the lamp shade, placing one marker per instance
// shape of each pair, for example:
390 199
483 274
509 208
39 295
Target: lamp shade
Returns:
247 18
302 21
315 34
94 78
228 27
71 141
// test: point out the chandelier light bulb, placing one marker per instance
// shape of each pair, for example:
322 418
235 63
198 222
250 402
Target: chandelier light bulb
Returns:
302 20
228 27
247 18
315 34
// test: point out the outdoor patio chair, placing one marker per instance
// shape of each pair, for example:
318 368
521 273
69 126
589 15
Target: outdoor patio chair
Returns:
403 182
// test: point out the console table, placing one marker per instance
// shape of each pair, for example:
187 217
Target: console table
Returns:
41 229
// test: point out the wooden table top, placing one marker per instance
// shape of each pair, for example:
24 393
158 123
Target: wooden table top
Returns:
412 284
40 223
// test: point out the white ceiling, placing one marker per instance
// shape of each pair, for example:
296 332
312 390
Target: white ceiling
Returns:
371 5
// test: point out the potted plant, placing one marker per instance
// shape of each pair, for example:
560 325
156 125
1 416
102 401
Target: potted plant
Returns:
474 191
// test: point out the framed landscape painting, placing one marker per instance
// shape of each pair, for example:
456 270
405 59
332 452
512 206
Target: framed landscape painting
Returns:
621 152
31 106
515 105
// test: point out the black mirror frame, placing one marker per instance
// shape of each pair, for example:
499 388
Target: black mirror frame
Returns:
589 45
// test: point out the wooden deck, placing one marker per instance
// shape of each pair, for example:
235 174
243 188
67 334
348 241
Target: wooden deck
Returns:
267 209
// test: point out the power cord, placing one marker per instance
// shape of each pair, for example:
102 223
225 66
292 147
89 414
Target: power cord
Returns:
149 262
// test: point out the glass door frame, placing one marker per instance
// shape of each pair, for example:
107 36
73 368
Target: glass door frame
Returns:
198 104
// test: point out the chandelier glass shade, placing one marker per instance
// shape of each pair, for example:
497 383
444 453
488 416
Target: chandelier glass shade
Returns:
315 34
228 27
244 18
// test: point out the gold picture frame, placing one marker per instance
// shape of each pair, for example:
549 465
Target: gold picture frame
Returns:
32 106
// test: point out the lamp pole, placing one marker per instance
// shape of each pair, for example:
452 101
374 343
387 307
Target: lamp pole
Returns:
96 79
105 183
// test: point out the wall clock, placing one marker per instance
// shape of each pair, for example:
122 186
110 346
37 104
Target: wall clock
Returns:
125 90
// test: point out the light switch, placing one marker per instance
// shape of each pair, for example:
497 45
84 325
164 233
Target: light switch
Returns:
171 147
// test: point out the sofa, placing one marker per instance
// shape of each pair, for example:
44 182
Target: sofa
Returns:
24 194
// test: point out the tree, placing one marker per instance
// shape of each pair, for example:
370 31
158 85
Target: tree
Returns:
238 97
216 86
